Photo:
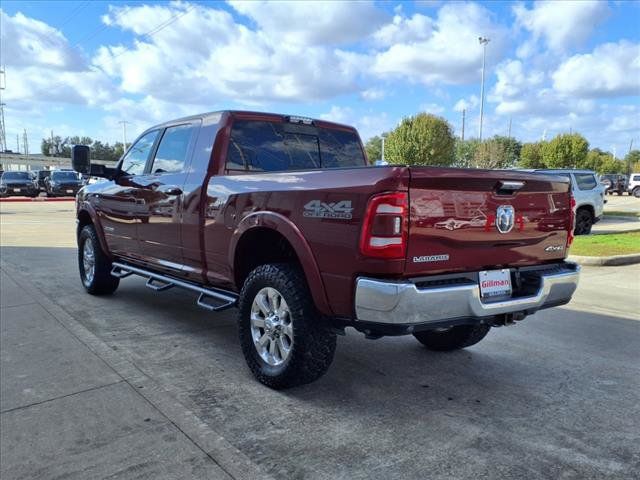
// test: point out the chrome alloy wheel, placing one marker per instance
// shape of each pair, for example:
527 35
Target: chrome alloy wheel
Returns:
88 261
271 327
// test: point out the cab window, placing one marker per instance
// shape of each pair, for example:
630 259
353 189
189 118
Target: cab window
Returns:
136 158
173 149
585 181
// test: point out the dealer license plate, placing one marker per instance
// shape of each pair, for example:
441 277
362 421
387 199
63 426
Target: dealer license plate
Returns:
17 190
494 283
69 191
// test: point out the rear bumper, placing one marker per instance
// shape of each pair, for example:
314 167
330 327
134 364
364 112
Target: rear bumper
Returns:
404 303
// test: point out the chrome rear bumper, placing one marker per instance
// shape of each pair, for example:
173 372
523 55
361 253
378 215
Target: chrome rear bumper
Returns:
404 303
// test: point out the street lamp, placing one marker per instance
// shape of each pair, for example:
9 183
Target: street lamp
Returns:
483 41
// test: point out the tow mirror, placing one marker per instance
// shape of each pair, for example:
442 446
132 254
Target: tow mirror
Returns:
80 159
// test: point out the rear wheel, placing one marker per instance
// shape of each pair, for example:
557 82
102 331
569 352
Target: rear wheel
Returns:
452 338
94 265
636 192
284 339
584 222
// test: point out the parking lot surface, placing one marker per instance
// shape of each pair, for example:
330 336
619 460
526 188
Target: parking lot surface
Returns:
147 385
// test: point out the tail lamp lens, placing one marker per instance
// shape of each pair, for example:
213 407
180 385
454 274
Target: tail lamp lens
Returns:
385 227
572 221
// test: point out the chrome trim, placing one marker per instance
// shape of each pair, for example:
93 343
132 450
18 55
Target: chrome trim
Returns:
402 303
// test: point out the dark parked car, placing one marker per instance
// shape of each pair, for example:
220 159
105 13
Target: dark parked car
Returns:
62 183
281 217
17 184
614 183
41 176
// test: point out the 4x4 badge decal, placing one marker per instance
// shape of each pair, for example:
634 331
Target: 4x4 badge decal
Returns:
318 209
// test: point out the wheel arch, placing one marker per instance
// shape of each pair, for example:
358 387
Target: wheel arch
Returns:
87 216
267 237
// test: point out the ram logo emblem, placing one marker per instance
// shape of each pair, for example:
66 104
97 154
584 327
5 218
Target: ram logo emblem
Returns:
505 218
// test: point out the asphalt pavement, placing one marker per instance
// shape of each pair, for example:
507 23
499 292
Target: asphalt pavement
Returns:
147 385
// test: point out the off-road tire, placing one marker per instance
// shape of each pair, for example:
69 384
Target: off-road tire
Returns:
314 344
584 222
636 192
103 283
455 338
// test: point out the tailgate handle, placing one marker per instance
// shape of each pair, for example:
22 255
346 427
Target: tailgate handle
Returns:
509 185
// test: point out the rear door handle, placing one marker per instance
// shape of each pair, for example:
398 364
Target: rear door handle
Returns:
170 190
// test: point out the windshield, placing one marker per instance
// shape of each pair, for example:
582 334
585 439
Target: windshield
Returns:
16 176
64 176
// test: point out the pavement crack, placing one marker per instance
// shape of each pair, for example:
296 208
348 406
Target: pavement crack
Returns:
22 407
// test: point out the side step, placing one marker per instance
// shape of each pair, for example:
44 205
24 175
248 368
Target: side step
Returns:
160 283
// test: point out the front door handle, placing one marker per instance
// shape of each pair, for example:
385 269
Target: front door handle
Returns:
170 190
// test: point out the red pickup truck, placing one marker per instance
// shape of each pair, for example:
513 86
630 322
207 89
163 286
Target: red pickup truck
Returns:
282 217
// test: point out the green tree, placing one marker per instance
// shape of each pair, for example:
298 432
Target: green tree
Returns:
611 165
373 147
423 139
465 151
492 153
632 161
567 150
531 155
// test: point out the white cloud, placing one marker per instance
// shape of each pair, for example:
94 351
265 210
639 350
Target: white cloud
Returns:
243 65
372 94
313 22
466 104
450 53
612 69
403 29
561 24
368 124
433 108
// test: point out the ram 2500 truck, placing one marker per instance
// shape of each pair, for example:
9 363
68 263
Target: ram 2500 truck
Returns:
282 217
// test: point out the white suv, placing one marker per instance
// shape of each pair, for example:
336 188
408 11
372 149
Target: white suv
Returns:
589 195
634 185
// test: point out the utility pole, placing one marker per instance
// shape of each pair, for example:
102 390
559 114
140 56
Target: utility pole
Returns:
464 111
3 137
25 142
124 133
483 41
628 172
17 143
510 118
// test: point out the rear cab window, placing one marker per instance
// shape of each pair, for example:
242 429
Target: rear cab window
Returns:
585 181
262 146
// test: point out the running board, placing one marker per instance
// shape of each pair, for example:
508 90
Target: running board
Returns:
160 283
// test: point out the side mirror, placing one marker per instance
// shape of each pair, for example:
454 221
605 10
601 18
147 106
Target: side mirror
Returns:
80 159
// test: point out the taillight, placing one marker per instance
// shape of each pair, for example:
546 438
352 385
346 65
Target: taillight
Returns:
385 227
572 220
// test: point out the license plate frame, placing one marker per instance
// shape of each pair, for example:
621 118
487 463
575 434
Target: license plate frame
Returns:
495 283
17 190
69 191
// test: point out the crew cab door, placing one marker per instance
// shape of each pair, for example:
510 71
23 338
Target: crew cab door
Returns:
160 195
118 205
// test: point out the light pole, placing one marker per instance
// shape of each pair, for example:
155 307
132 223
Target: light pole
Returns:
124 134
383 136
483 41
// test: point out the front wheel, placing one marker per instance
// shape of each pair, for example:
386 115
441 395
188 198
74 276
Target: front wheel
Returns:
636 192
452 338
94 265
285 341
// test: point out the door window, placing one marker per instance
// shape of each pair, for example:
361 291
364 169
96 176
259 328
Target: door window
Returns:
136 158
172 151
585 181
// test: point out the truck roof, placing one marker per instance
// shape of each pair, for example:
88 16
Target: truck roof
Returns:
253 115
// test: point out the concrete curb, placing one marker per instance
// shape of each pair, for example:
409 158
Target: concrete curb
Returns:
615 260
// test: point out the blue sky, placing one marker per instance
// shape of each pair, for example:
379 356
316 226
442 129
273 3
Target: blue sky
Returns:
79 67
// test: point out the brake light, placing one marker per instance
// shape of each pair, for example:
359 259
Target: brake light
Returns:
572 220
386 224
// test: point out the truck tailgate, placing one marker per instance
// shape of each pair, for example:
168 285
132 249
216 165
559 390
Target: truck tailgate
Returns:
467 219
